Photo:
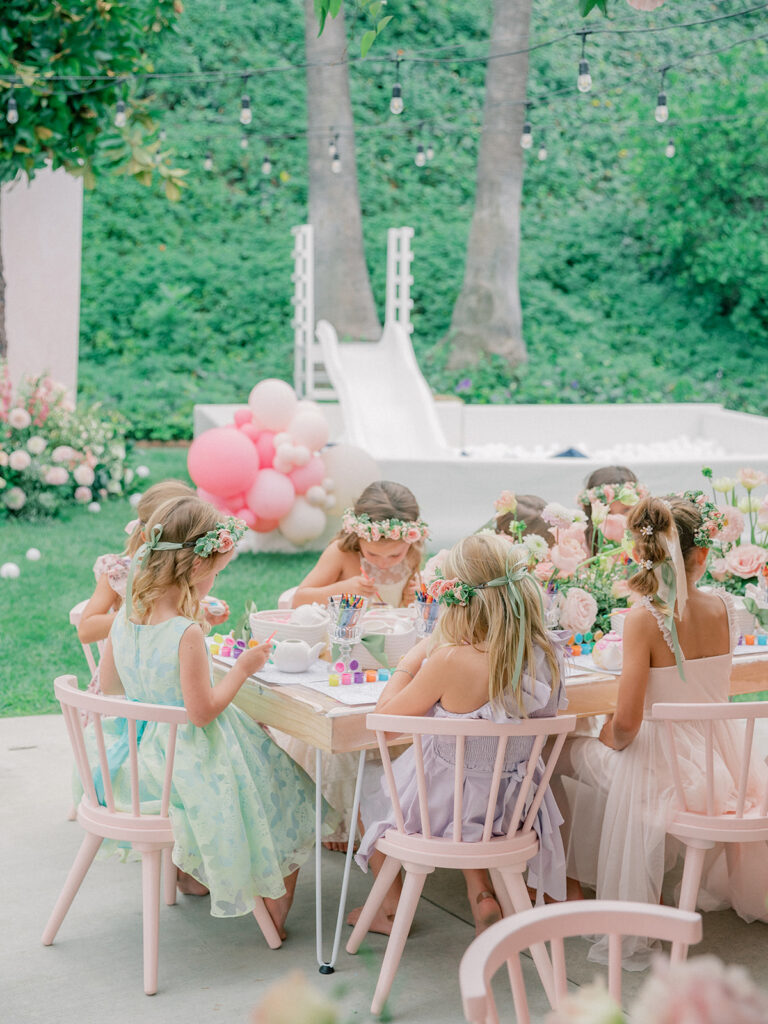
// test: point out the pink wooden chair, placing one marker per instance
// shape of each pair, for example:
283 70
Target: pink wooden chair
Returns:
701 830
504 941
420 853
92 651
149 834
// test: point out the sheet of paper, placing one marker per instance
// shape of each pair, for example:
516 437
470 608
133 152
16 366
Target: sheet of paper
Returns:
584 663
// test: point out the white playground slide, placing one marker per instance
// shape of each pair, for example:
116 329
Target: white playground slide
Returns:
387 405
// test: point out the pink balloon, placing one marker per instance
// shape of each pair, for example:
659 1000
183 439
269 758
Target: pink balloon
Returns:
271 495
213 499
250 430
307 476
223 461
243 416
266 525
265 446
247 516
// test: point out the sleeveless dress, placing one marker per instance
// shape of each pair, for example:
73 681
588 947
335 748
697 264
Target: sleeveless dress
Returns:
546 871
115 568
390 583
243 812
619 801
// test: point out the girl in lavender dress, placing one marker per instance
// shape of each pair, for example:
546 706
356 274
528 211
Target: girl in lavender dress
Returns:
490 657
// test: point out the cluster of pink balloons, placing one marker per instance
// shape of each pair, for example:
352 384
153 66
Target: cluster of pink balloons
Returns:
266 467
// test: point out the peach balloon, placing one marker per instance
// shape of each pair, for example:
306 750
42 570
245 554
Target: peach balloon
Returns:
247 516
266 525
308 476
271 495
223 461
273 403
243 416
309 427
251 431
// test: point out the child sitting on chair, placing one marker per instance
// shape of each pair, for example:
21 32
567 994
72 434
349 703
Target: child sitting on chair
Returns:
377 552
490 657
612 490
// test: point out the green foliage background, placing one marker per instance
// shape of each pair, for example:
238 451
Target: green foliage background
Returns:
642 278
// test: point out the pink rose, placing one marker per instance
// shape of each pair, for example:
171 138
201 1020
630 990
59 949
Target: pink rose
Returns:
566 555
575 532
620 588
751 478
56 476
614 527
19 460
412 535
375 534
746 560
609 493
734 524
579 610
226 543
439 587
543 570
718 569
84 475
83 495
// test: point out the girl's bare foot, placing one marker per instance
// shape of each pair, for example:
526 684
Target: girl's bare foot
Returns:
337 845
382 922
486 911
188 885
278 909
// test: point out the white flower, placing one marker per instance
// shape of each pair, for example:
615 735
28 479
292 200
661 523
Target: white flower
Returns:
56 476
19 418
558 515
84 475
83 494
142 471
128 476
62 454
19 460
536 546
37 444
749 503
15 498
589 1004
3 458
723 484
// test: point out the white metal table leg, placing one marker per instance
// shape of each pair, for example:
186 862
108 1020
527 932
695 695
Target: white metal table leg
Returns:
327 966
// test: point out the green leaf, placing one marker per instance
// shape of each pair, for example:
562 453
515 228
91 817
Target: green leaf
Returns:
367 42
384 22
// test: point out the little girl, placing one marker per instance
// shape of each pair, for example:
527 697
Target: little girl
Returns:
376 553
618 789
242 811
617 488
490 657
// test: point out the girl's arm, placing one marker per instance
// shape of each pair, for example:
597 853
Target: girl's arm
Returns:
639 631
325 580
416 685
98 614
203 701
109 680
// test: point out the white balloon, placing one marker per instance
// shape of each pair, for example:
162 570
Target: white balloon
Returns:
310 427
303 523
330 501
281 464
351 470
10 571
328 485
273 403
33 555
301 455
316 496
282 438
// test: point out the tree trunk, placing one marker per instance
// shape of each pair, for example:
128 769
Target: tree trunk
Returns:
343 292
3 335
487 315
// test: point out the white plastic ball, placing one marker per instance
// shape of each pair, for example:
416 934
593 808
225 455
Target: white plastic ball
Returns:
142 471
94 507
33 555
9 571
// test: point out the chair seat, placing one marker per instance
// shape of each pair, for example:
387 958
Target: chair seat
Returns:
441 852
117 825
751 827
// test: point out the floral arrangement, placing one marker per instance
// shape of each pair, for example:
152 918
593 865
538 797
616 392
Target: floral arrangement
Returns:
52 454
736 562
410 531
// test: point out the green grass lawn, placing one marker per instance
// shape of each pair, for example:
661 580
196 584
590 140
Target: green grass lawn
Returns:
37 642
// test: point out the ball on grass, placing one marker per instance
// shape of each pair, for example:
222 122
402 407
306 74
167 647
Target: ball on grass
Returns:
9 571
94 507
33 555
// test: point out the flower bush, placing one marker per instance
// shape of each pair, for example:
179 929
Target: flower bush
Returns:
738 555
52 454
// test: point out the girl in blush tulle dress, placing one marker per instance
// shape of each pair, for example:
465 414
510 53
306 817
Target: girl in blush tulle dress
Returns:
618 791
491 658
242 811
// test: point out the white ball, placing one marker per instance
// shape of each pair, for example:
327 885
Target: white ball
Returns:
94 507
142 471
33 555
134 499
9 571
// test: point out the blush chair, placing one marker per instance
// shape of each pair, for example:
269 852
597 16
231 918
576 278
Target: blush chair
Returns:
700 830
420 853
504 941
75 614
149 834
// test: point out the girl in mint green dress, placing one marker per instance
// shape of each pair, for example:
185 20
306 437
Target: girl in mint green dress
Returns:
243 812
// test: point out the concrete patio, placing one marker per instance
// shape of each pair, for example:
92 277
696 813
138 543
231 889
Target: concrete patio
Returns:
212 969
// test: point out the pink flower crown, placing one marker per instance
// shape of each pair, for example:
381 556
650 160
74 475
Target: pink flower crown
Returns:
411 531
628 493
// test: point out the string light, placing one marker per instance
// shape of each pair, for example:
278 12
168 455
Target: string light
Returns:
120 115
208 161
421 157
526 140
669 152
584 79
396 103
662 111
542 154
336 163
266 165
243 141
12 114
246 114
332 146
430 152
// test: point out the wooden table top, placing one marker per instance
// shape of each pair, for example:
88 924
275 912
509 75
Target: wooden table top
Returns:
320 720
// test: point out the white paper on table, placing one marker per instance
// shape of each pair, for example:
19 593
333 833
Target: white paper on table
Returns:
583 663
754 649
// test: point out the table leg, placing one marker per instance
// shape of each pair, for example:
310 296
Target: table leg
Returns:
327 966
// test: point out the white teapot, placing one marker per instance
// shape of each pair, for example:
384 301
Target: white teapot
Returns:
295 655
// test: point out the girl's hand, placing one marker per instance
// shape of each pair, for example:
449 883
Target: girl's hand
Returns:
358 585
409 592
216 610
254 658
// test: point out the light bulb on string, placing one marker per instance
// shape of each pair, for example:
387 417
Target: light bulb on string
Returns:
162 135
243 141
584 79
246 114
12 113
266 165
669 151
336 163
120 115
208 161
662 110
542 154
421 157
430 152
526 139
332 147
396 103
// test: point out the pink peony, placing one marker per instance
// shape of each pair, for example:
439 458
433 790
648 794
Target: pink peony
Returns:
439 587
62 454
226 543
84 475
579 610
620 588
734 524
543 570
703 990
83 494
614 527
575 532
609 493
751 478
56 476
19 460
746 560
718 569
567 555
19 418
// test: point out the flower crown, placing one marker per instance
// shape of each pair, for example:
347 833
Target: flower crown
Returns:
713 519
628 493
218 541
456 592
410 531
